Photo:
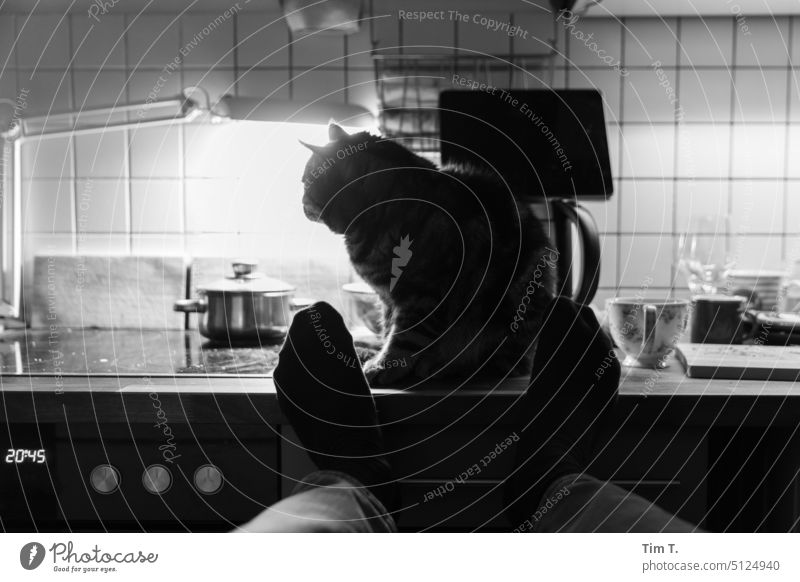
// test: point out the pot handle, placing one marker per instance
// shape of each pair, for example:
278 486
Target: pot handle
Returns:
190 305
298 303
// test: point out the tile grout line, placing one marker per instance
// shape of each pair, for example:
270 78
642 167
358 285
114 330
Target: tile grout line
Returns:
787 133
73 145
676 154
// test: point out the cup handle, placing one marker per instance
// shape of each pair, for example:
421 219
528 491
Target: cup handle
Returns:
650 320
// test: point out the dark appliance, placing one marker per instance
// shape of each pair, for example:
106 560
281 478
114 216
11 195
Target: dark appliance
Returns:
550 147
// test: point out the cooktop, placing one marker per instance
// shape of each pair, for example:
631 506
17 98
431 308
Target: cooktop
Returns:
135 353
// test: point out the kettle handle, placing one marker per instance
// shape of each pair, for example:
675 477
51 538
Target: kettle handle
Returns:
590 245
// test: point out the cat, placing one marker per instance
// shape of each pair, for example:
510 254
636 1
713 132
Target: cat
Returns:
463 268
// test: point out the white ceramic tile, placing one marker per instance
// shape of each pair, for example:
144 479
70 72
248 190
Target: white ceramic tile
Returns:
104 244
321 85
705 95
759 252
648 151
155 152
793 208
208 207
760 95
793 169
645 257
99 89
43 40
47 206
646 99
317 49
156 206
538 24
593 42
153 40
706 42
99 44
361 90
207 39
476 37
756 151
144 85
614 136
8 37
703 150
699 197
794 94
49 92
649 40
386 30
646 207
47 158
609 246
101 154
430 36
101 206
605 213
358 48
530 78
766 44
164 245
8 83
212 245
264 84
606 81
216 82
263 40
757 207
216 151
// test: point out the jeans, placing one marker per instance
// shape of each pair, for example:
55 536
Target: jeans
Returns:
327 501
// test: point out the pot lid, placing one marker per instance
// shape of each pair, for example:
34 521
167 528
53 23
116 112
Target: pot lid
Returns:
246 280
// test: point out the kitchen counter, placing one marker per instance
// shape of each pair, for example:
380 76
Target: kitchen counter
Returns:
110 374
678 441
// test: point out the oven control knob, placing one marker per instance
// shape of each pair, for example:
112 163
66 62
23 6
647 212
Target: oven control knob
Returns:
104 479
156 479
208 479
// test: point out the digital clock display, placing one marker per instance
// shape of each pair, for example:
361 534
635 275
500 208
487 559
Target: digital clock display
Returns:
25 456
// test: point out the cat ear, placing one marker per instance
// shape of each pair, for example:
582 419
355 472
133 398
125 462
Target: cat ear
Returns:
335 132
314 148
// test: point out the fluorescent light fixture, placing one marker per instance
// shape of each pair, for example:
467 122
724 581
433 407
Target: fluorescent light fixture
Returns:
284 110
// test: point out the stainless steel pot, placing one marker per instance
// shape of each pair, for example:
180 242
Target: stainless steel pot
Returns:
247 307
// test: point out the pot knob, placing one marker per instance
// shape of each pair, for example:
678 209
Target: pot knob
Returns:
243 268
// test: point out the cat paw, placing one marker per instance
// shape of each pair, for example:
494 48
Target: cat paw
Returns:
387 370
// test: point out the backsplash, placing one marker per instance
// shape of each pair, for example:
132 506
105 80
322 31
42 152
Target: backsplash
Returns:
691 130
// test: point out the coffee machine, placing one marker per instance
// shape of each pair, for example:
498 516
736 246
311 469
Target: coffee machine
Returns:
551 149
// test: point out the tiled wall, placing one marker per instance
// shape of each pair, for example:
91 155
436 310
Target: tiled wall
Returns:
232 190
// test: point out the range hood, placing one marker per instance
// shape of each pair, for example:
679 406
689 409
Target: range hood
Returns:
331 16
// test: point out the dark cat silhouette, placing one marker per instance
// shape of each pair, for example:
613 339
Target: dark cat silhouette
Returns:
462 267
